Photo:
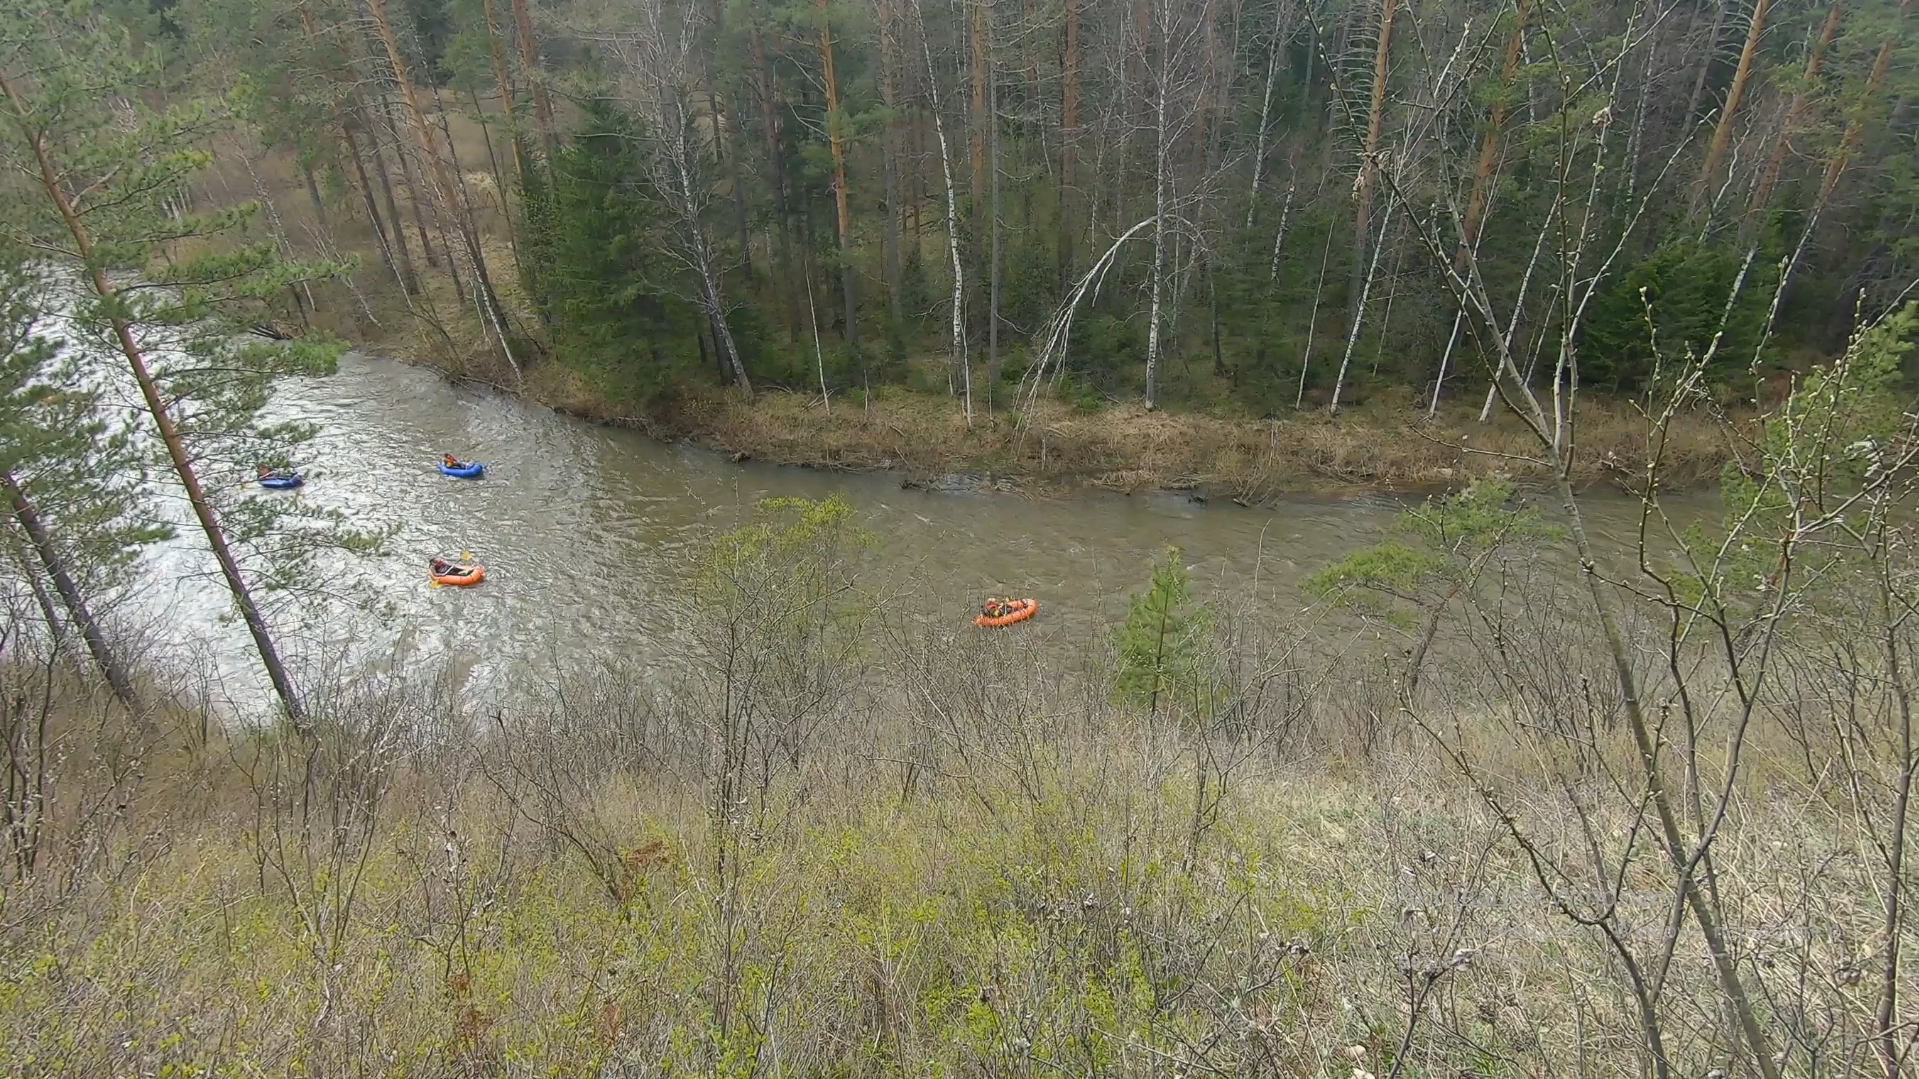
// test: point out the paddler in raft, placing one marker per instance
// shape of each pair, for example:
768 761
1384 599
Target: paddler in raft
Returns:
997 608
450 461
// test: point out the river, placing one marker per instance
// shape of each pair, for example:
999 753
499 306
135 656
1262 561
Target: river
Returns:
586 533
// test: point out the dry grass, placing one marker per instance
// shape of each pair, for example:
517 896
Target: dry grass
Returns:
1128 448
945 887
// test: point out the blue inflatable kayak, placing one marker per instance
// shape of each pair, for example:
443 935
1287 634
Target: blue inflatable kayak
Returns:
469 470
281 481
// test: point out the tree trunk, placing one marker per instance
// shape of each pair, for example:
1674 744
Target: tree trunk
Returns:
1365 290
506 93
492 160
889 152
150 391
1702 199
1836 167
1439 380
1312 322
1481 191
841 218
677 157
313 196
412 185
1858 122
410 280
1279 234
963 367
393 249
491 310
776 172
992 228
530 60
1282 29
119 679
1705 62
380 231
49 609
976 135
730 161
452 192
1068 143
1776 159
1368 174
1160 152
1489 146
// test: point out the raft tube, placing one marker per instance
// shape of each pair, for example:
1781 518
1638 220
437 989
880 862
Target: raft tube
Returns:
460 576
468 471
1022 610
282 481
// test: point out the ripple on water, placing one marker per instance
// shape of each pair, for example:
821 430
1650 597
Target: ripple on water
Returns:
587 534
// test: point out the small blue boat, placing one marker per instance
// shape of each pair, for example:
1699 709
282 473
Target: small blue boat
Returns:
281 481
466 470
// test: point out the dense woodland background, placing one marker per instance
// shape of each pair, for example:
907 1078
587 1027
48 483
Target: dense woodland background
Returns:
861 193
1506 795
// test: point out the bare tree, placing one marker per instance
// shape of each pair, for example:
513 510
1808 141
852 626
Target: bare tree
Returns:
1176 79
962 367
656 63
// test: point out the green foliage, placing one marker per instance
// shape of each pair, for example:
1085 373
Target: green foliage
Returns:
1436 548
596 268
1846 428
184 286
1161 643
1106 350
1668 307
82 475
784 583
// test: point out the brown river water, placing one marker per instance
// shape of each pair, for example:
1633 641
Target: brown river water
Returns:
587 533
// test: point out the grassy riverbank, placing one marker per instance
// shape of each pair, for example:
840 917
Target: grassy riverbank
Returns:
1206 442
1383 444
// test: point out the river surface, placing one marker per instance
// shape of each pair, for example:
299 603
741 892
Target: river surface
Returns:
587 534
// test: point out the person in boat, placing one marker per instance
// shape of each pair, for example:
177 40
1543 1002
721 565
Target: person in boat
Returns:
997 608
450 461
441 567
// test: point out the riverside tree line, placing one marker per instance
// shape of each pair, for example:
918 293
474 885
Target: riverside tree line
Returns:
834 835
1269 203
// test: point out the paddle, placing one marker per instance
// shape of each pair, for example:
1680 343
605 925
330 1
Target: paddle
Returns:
465 556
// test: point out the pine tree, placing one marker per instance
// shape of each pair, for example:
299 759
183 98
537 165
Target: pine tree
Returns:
69 482
1160 642
166 291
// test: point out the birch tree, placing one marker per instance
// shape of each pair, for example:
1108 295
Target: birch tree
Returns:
655 67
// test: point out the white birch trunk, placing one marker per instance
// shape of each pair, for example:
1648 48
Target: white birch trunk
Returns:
1159 216
1312 322
952 226
701 251
1359 312
1432 408
1265 117
1279 236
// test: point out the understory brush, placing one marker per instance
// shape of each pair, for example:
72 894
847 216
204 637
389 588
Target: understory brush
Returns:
881 847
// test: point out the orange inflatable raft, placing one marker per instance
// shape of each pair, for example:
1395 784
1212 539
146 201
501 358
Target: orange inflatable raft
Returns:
1018 610
458 576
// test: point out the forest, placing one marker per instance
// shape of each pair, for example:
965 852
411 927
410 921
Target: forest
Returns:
1532 777
1254 206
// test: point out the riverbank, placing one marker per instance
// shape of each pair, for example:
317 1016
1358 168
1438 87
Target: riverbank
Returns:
1058 447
